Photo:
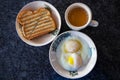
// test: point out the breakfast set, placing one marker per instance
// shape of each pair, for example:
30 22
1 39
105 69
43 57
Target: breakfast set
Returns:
72 54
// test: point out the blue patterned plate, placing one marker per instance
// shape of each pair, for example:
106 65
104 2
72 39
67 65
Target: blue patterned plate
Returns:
45 39
85 69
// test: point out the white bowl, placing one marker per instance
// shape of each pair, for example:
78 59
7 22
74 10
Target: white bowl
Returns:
80 72
45 39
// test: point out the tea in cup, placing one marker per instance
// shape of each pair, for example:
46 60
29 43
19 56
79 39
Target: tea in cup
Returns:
78 16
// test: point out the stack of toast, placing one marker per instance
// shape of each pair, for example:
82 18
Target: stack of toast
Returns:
36 23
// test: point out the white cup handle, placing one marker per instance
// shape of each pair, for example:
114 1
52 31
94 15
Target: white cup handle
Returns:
94 23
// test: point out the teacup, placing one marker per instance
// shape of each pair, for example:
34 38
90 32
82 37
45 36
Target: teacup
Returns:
78 16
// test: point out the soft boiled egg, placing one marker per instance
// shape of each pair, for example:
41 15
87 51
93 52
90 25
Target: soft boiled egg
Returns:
72 45
70 58
71 61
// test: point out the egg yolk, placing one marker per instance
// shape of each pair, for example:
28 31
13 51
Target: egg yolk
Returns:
70 60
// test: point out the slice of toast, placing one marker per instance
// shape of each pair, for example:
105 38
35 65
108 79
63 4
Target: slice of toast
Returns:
36 23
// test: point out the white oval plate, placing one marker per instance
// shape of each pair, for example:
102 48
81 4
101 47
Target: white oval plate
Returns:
80 73
45 39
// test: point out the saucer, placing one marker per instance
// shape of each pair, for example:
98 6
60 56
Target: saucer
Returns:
45 39
80 72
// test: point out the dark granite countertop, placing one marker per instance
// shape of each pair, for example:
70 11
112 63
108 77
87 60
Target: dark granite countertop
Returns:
19 61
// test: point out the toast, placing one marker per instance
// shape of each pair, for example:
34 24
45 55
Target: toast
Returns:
36 23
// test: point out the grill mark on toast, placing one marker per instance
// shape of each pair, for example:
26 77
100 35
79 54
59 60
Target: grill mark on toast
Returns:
39 21
41 33
40 27
34 19
34 16
30 28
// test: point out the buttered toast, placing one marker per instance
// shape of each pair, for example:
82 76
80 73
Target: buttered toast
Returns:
36 23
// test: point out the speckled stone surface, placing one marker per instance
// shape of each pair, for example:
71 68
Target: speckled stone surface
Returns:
19 61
